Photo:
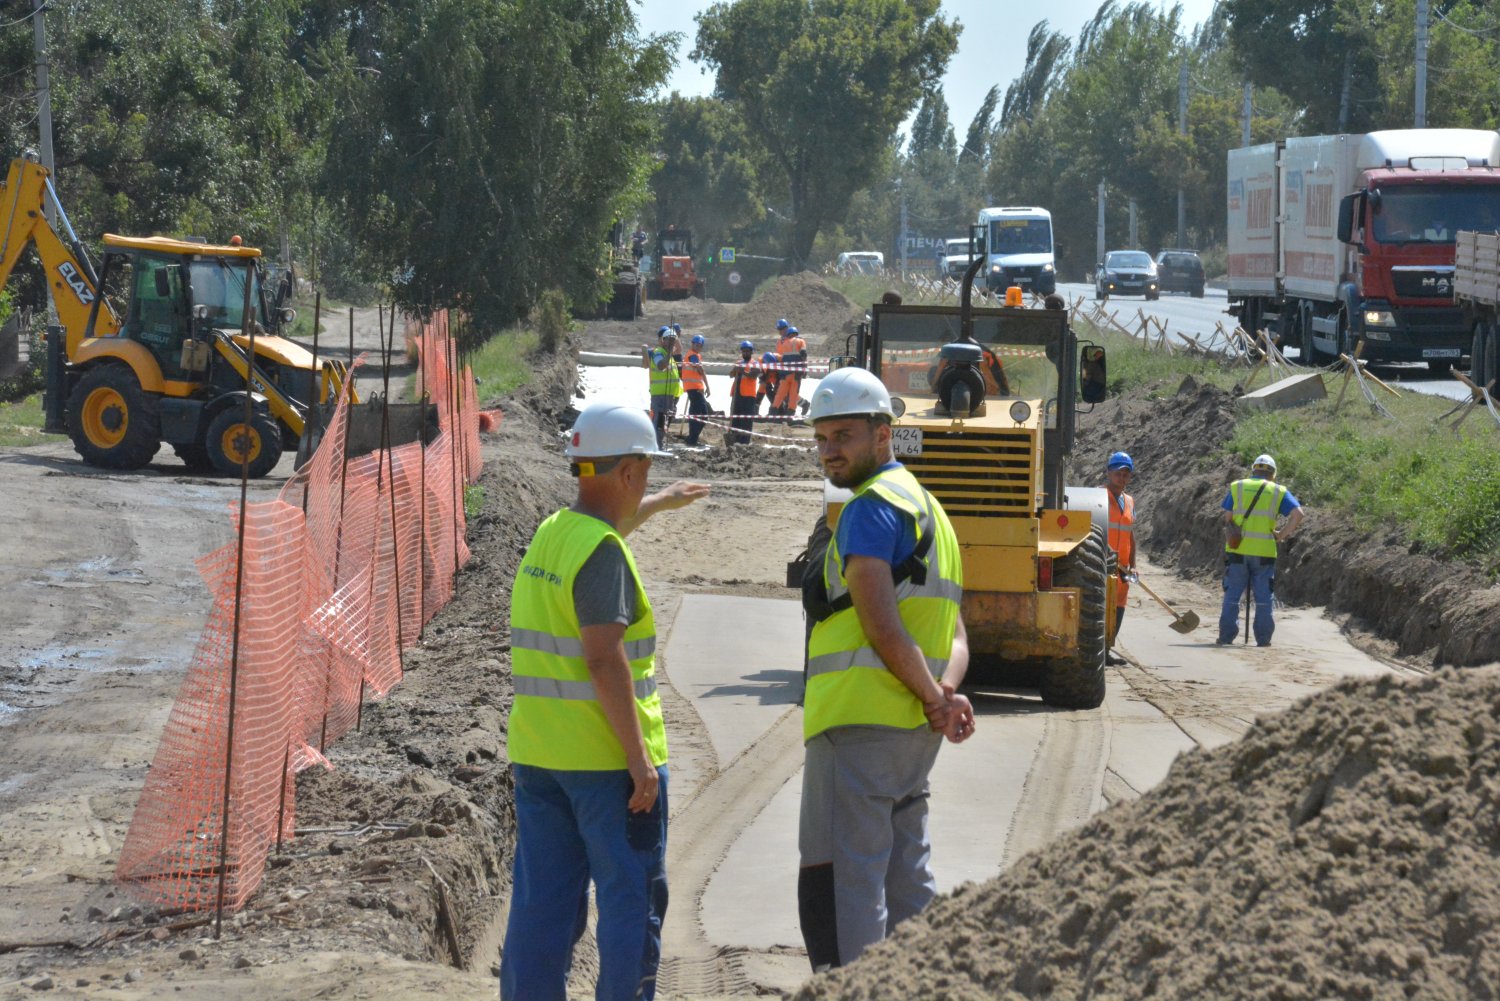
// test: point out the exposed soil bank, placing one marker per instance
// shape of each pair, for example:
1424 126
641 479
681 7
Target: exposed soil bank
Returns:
1441 611
1345 848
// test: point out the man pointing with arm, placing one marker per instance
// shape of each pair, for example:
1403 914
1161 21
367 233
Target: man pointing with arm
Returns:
586 742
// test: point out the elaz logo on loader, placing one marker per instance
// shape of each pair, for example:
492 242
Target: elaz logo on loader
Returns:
72 277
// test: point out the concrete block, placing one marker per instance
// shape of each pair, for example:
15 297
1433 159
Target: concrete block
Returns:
1294 391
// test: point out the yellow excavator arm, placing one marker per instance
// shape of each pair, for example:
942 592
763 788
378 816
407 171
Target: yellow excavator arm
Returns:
70 279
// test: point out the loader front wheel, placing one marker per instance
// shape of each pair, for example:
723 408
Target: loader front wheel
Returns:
113 422
1078 682
234 445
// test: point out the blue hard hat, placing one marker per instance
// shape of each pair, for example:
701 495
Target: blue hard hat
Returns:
1121 460
746 346
791 331
663 329
781 324
769 356
677 327
698 340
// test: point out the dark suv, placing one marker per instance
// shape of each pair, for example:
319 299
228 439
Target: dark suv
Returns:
1180 271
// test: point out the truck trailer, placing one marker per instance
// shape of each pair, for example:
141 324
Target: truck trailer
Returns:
1476 289
1339 239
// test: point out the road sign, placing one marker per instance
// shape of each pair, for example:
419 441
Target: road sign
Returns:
734 277
726 255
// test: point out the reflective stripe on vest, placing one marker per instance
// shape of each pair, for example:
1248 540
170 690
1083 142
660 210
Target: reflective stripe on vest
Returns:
557 721
1257 527
847 682
664 381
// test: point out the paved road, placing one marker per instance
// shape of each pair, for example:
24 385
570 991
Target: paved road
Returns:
1029 774
1183 313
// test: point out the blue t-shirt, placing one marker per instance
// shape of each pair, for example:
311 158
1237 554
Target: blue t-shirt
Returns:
1288 502
870 525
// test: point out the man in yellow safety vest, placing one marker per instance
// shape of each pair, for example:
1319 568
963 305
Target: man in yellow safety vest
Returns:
885 657
586 742
1251 509
664 368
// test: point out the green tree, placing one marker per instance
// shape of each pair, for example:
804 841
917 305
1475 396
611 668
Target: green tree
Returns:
824 85
707 181
930 129
1046 58
485 148
975 150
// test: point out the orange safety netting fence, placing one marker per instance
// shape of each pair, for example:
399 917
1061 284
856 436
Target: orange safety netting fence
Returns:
337 575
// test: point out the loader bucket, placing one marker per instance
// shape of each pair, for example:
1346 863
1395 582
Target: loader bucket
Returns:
11 362
367 424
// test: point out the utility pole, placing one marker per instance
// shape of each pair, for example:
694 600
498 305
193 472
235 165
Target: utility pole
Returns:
1245 116
1134 243
44 98
1421 120
903 234
1182 101
1099 239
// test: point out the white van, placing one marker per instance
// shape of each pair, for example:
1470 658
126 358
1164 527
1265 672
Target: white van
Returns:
1018 240
861 262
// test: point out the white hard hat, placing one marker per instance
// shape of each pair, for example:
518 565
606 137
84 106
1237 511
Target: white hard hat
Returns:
1264 461
609 429
850 392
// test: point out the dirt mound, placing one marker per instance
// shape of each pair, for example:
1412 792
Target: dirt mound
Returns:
822 315
1416 604
1345 848
745 462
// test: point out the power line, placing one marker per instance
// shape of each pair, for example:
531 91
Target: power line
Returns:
1458 27
23 20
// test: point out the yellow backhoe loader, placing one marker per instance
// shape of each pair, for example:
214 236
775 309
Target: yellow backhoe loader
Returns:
986 402
155 344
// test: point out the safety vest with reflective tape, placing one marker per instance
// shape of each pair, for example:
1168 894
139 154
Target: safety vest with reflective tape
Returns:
1257 527
693 379
664 381
1122 538
847 682
557 721
744 384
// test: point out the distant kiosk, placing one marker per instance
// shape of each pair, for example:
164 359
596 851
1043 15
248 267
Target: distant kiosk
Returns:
1018 242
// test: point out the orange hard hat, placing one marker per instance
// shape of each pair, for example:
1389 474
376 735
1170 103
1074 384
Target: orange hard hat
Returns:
235 241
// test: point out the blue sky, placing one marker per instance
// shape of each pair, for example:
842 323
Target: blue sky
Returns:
991 50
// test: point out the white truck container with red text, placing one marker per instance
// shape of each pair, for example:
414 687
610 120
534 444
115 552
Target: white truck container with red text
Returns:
1339 239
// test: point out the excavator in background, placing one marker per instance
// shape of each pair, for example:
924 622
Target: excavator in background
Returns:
675 276
154 347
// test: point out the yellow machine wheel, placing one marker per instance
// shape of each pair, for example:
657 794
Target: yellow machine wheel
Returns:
113 422
233 445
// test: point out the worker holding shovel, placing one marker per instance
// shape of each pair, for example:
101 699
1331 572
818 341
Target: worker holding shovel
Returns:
1251 509
1117 476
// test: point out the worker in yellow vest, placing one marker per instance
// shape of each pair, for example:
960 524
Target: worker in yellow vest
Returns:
1251 509
666 381
885 657
585 736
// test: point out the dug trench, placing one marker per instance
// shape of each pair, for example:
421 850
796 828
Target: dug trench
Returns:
402 866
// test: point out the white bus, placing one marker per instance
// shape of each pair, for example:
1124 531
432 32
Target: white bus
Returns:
1018 240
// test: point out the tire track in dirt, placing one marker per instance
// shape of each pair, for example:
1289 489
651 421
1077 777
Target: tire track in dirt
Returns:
1065 784
700 835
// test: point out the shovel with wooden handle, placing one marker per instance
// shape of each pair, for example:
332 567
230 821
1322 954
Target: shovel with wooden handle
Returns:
1185 622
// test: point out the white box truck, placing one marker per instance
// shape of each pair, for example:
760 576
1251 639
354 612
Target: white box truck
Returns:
1018 243
1339 239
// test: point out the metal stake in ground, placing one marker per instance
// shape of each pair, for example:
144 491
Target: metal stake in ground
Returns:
316 389
247 330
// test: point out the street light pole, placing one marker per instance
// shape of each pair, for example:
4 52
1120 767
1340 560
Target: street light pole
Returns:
1421 117
1182 103
44 97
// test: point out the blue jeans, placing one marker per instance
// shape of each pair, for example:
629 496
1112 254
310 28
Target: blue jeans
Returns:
573 826
1258 573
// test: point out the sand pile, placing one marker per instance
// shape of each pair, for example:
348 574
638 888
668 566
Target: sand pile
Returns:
1345 848
822 315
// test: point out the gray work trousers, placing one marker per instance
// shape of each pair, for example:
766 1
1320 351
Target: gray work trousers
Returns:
864 812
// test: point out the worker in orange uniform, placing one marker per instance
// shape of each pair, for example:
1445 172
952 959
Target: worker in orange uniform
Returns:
770 379
793 351
744 378
1117 475
695 384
